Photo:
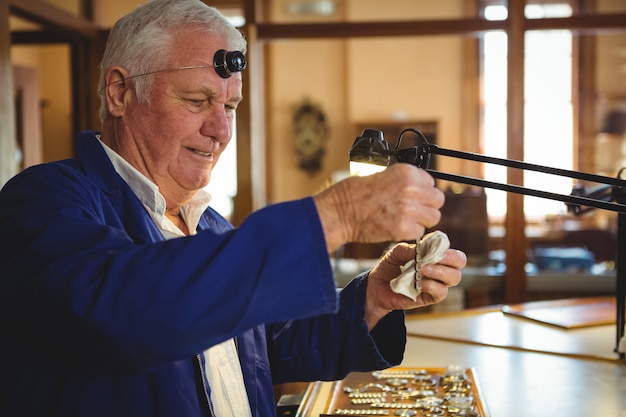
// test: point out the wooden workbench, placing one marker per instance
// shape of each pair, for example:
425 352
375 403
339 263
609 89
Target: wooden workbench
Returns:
526 368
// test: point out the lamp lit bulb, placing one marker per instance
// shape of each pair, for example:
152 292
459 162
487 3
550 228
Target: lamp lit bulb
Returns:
369 153
363 169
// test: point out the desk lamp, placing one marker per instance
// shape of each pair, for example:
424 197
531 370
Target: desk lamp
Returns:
370 153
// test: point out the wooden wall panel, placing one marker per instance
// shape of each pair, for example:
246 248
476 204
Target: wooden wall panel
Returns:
8 166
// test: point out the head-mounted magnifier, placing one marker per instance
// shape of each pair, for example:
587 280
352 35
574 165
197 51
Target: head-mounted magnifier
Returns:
228 62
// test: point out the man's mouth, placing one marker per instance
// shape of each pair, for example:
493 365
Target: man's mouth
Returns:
201 153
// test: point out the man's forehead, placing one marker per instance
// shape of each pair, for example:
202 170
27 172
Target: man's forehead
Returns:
196 47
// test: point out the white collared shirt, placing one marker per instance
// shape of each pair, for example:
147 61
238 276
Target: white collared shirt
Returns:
222 366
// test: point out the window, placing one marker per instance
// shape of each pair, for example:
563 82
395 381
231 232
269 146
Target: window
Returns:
223 183
548 113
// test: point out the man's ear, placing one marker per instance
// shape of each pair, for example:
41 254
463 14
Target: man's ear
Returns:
116 87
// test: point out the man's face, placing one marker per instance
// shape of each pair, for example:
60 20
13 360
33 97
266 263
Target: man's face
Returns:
181 133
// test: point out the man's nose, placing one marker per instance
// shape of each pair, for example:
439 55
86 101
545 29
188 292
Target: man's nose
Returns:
218 125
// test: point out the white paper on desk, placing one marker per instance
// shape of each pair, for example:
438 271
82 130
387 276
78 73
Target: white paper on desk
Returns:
430 250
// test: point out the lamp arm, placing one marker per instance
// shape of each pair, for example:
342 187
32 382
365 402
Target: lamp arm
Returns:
420 156
430 149
566 198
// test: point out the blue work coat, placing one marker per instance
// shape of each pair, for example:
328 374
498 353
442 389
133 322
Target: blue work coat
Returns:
101 316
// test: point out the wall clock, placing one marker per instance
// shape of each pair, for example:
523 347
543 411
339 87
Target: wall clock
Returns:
310 133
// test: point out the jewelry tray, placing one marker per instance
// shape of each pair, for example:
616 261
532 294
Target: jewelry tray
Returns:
400 391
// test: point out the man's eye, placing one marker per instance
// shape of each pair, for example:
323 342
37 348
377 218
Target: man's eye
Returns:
197 103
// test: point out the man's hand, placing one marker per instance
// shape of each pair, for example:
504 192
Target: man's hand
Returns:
394 205
436 280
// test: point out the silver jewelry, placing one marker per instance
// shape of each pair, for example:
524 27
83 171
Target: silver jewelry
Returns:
365 387
413 393
417 275
366 394
394 405
386 374
347 412
430 402
434 412
405 413
361 401
397 382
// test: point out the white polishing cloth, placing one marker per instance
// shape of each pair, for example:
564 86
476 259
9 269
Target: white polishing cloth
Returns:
429 251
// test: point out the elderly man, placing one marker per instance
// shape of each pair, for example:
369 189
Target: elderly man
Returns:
123 294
